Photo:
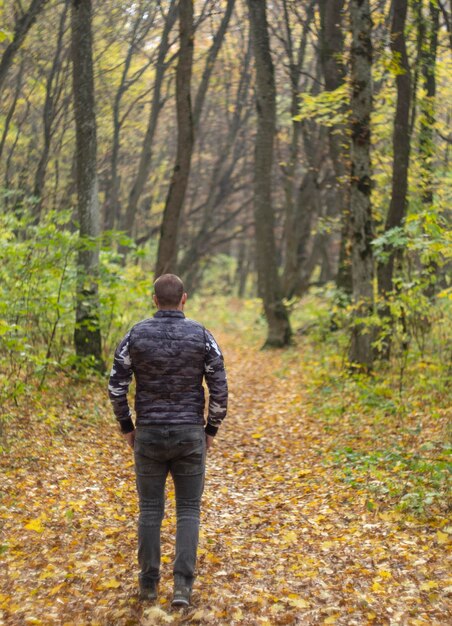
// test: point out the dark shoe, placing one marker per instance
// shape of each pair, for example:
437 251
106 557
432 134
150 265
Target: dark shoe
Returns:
149 592
181 597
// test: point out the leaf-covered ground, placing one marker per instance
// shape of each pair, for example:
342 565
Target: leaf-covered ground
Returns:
288 536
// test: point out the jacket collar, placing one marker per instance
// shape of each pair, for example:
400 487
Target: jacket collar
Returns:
170 313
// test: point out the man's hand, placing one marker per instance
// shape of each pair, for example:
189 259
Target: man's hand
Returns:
130 438
209 441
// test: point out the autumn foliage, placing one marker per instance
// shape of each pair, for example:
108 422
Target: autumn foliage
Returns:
291 162
325 501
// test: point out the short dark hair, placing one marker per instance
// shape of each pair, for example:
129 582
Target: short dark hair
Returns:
168 290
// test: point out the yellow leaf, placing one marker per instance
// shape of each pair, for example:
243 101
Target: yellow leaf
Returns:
377 587
390 516
429 585
442 537
384 574
198 616
111 583
331 619
290 537
238 614
257 435
202 617
156 615
35 524
212 558
221 613
77 504
299 603
56 589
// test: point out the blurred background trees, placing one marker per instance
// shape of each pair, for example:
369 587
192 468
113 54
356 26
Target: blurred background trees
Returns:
184 94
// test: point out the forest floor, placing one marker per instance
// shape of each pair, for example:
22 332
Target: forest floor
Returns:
287 537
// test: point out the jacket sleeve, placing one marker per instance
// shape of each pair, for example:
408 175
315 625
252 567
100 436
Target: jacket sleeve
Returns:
120 379
216 380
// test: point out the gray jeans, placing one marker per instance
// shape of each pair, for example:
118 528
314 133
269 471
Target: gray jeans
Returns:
180 450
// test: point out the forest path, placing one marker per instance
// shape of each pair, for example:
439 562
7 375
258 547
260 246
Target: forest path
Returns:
284 539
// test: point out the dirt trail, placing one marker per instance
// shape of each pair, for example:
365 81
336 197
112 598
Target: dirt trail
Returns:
284 541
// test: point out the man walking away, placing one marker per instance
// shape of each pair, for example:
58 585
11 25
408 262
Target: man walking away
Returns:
169 355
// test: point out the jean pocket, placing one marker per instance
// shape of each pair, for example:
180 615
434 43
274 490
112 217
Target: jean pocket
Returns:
146 449
190 442
190 462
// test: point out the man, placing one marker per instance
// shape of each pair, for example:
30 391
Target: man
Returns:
169 356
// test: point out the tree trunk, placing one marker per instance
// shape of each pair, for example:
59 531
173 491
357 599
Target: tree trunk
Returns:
427 110
331 51
111 203
315 249
294 211
243 268
167 250
427 121
400 140
9 115
279 331
87 336
427 124
50 104
24 23
361 353
401 155
296 275
210 63
128 219
220 184
11 161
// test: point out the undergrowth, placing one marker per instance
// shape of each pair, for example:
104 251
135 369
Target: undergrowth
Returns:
393 435
391 426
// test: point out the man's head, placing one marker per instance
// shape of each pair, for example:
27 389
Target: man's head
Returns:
169 292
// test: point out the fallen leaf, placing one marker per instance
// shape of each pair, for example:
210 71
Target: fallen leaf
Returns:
442 538
36 525
429 585
299 603
111 583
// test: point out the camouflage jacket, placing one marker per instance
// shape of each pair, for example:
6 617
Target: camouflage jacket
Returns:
169 355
